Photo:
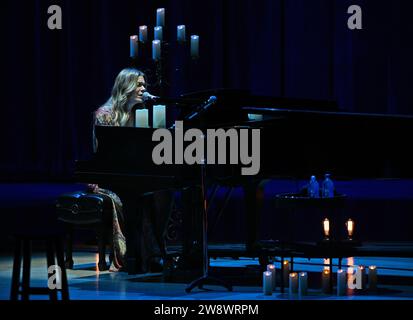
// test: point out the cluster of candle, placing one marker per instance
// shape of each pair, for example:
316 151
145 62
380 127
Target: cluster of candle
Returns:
158 38
298 282
142 117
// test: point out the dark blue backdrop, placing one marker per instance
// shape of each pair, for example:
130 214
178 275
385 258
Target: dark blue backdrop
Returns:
53 80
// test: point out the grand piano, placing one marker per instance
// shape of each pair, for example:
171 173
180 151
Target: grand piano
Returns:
299 138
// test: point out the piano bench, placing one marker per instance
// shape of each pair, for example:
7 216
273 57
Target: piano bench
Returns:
83 210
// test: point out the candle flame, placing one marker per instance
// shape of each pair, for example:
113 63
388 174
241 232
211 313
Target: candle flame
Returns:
293 274
372 267
285 262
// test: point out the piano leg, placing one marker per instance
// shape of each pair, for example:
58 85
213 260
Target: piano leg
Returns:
254 198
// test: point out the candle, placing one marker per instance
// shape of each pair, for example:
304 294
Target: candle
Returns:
341 282
143 33
293 283
286 272
267 283
302 283
362 272
271 268
181 33
325 281
133 46
158 33
372 278
156 49
326 228
159 116
160 17
350 228
194 46
141 118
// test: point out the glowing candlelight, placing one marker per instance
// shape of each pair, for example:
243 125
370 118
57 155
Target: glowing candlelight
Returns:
143 33
271 268
267 283
326 228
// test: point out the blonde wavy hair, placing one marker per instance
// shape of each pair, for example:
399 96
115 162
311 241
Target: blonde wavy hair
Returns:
125 85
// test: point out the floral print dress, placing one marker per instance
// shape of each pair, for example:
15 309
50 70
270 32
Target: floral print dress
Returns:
104 116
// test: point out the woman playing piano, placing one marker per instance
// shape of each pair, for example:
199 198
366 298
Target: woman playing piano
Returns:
127 92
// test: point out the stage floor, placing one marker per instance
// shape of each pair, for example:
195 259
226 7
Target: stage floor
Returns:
86 283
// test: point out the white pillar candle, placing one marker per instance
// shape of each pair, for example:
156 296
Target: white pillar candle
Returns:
194 46
302 283
159 116
286 272
325 281
141 118
271 268
293 283
133 46
160 17
180 33
158 34
362 272
143 33
372 278
341 282
267 283
156 49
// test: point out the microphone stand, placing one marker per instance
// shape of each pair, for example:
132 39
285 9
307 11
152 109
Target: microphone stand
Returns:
205 278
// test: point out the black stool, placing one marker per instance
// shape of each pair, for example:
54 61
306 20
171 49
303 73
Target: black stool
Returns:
54 252
83 210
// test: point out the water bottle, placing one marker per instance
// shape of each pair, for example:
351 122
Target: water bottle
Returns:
313 188
328 187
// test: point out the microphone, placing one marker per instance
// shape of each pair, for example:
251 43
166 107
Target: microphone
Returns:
200 110
148 97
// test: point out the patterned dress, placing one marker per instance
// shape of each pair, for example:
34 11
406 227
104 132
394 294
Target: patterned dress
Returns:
105 116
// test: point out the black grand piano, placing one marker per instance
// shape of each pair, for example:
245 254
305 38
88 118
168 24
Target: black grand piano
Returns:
298 138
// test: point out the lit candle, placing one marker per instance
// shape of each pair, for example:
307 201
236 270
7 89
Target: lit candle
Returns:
160 17
326 228
350 228
159 116
181 33
143 33
372 278
302 283
271 268
341 282
141 118
133 46
267 283
194 46
156 49
362 271
158 35
286 272
325 281
293 283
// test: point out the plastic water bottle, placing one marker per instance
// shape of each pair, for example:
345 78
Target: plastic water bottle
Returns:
313 188
328 187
